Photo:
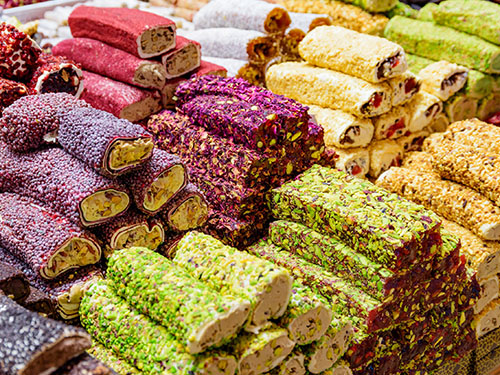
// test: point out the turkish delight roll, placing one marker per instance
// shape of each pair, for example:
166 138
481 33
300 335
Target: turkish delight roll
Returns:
342 129
32 121
261 352
230 271
423 109
413 141
330 89
293 364
460 107
187 210
488 106
109 357
64 184
368 57
475 133
184 58
308 21
56 74
32 344
488 320
10 91
13 283
250 15
65 246
392 124
404 87
383 155
443 79
197 316
95 56
478 84
144 343
440 123
157 181
354 161
140 33
110 145
453 201
123 101
19 53
442 43
39 302
233 232
419 161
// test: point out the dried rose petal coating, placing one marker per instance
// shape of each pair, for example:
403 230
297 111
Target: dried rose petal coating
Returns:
140 33
187 210
10 91
184 58
110 145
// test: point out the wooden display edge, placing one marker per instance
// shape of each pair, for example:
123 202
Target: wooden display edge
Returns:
32 12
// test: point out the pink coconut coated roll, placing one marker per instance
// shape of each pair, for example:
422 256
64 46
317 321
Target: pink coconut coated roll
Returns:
185 58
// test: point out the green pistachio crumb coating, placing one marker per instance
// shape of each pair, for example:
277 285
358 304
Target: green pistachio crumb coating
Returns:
292 365
195 314
109 357
426 12
402 9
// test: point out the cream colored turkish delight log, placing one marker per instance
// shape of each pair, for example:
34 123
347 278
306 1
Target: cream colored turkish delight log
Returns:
393 124
413 141
440 123
383 155
443 79
368 57
488 320
327 88
419 161
423 109
460 107
342 129
404 87
489 292
355 161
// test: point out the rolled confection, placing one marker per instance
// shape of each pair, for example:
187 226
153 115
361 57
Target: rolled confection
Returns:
234 43
95 56
442 43
39 302
32 344
443 79
308 21
289 46
293 364
423 109
123 101
13 283
402 9
475 133
413 141
342 129
460 107
488 106
488 320
250 15
233 66
184 58
393 124
329 89
144 343
417 63
10 91
140 33
64 184
84 365
479 84
33 121
62 246
404 87
19 53
197 316
354 161
419 161
383 155
440 123
341 367
489 292
109 357
265 286
370 58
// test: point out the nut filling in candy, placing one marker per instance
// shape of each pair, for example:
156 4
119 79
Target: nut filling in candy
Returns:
124 153
188 210
103 205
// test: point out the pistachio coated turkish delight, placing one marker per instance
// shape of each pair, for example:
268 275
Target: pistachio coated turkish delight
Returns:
460 107
478 84
107 356
188 210
291 365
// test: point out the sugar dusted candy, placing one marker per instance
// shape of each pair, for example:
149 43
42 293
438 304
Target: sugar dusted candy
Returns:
443 79
184 58
413 141
393 124
10 91
423 108
404 87
308 21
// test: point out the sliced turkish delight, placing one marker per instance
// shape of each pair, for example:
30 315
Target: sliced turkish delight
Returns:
184 58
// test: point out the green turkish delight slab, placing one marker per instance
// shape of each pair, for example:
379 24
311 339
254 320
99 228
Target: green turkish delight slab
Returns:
383 226
442 43
417 63
474 17
402 9
140 341
196 315
230 271
426 13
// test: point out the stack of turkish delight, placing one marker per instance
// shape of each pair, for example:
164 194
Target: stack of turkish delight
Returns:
77 182
238 140
26 70
359 90
386 265
456 178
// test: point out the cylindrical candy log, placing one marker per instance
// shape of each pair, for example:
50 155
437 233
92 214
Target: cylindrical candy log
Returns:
10 91
417 63
187 210
488 320
251 15
439 124
225 269
341 129
488 106
423 109
478 84
460 107
426 12
402 9
330 89
110 145
263 351
32 344
48 242
307 21
39 302
253 73
230 43
489 292
289 46
475 133
13 283
64 184
392 124
95 56
354 161
157 181
443 79
137 32
341 367
404 87
198 317
307 317
109 357
451 200
383 155
56 74
442 43
33 121
143 343
471 17
413 141
85 364
208 68
419 161
291 365
368 57
18 54
123 101
184 58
